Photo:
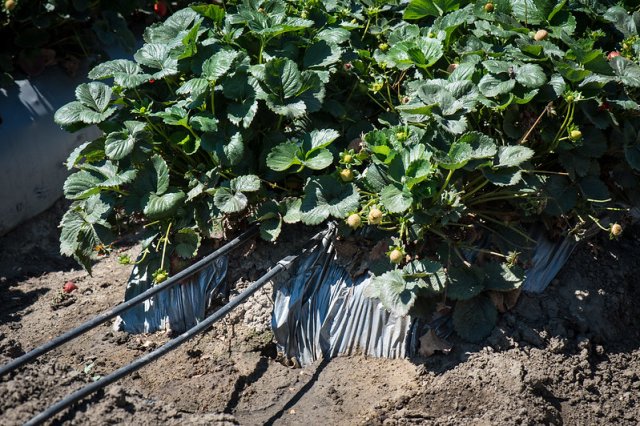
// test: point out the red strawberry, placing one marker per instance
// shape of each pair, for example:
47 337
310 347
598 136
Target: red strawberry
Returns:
69 286
160 8
613 54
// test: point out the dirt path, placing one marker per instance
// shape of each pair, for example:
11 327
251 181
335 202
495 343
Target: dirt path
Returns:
568 356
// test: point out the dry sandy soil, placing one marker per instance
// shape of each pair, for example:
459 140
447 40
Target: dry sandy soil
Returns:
569 356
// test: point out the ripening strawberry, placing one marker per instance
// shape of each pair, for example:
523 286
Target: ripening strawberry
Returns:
160 275
10 5
375 216
613 54
540 35
396 256
452 67
616 229
575 135
346 175
488 7
160 8
354 221
69 286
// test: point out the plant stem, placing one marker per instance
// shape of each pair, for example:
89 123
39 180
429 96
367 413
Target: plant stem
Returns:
164 248
446 182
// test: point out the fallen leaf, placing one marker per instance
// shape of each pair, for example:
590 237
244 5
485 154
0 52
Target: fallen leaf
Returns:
430 343
511 298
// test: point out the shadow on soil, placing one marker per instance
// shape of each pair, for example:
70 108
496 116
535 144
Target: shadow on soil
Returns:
298 395
594 299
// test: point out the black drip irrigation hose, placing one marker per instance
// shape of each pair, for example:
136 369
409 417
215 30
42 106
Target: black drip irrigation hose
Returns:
282 265
106 316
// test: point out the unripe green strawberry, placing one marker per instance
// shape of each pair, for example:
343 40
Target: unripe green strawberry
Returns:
396 256
354 221
160 275
10 5
346 175
540 35
375 216
616 229
575 135
348 158
383 47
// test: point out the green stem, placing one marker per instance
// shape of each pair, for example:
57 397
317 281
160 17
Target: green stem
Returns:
366 28
516 230
476 189
164 248
213 104
446 182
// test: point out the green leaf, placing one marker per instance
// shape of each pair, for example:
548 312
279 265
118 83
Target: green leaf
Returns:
195 87
161 206
187 242
318 139
505 176
501 277
118 145
83 228
162 174
530 75
82 184
394 292
321 54
490 86
246 183
627 71
563 195
474 319
325 196
230 201
270 229
124 72
431 274
211 11
95 96
593 188
92 106
283 77
242 113
459 155
219 64
157 56
482 145
283 156
418 9
318 160
292 210
464 283
204 122
396 200
512 156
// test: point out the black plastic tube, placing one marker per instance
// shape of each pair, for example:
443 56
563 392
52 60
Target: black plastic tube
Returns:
169 346
106 316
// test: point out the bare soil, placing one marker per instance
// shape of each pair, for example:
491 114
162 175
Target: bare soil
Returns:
568 356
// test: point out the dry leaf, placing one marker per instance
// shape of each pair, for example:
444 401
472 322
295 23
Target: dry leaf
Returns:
430 343
511 298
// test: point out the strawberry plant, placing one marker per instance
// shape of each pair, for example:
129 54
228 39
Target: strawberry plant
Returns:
39 34
446 127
